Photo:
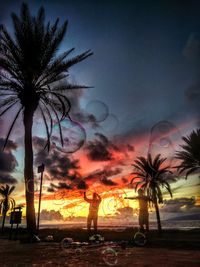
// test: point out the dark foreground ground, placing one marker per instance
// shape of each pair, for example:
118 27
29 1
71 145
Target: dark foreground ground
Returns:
173 248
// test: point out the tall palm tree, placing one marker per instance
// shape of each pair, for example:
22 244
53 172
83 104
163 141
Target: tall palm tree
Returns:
190 154
6 202
151 176
33 77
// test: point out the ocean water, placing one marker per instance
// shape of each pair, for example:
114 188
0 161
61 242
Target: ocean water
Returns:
116 224
180 225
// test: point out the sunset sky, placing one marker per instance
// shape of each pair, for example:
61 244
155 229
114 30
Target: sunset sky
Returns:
145 96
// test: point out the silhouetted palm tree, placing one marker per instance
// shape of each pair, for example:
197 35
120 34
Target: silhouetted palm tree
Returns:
30 72
190 154
6 202
151 176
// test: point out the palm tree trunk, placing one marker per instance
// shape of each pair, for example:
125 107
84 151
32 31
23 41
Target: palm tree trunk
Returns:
158 216
28 171
155 201
3 221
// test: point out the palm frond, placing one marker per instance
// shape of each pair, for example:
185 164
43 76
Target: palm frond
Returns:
11 127
47 129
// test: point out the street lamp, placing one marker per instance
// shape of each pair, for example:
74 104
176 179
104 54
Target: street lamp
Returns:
40 170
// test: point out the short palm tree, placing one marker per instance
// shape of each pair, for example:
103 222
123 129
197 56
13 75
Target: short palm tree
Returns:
6 202
190 154
151 176
33 77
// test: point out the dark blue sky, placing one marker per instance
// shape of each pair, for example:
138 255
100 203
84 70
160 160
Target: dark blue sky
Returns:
146 55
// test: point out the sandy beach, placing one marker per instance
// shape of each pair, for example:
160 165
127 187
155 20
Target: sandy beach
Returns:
173 248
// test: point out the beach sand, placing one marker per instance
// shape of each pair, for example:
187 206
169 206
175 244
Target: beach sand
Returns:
173 248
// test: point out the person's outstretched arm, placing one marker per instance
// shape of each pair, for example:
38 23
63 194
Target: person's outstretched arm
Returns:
130 197
99 198
86 199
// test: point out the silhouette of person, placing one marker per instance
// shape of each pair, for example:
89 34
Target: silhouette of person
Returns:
143 209
93 211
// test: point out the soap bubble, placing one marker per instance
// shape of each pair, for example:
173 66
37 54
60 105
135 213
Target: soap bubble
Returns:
66 243
163 140
110 124
36 185
110 256
97 238
113 201
140 239
73 133
59 198
78 251
98 109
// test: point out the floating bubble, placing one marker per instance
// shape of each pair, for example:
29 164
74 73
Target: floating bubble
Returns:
59 198
78 251
73 133
140 239
112 205
66 243
163 140
110 256
96 238
49 238
98 109
110 124
36 186
113 201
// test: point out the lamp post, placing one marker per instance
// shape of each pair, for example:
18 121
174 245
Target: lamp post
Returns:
40 170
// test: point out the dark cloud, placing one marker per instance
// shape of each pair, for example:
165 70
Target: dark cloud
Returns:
77 183
51 215
82 185
124 180
125 212
6 178
58 165
59 186
100 149
8 162
108 182
77 112
130 148
103 174
180 205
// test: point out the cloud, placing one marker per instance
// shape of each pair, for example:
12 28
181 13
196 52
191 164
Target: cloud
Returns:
6 178
58 165
130 148
107 181
125 212
100 149
99 175
124 180
8 162
180 205
51 215
77 112
54 187
77 183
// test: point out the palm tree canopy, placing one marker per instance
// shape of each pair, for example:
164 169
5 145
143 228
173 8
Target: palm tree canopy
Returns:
6 202
190 154
150 175
30 68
